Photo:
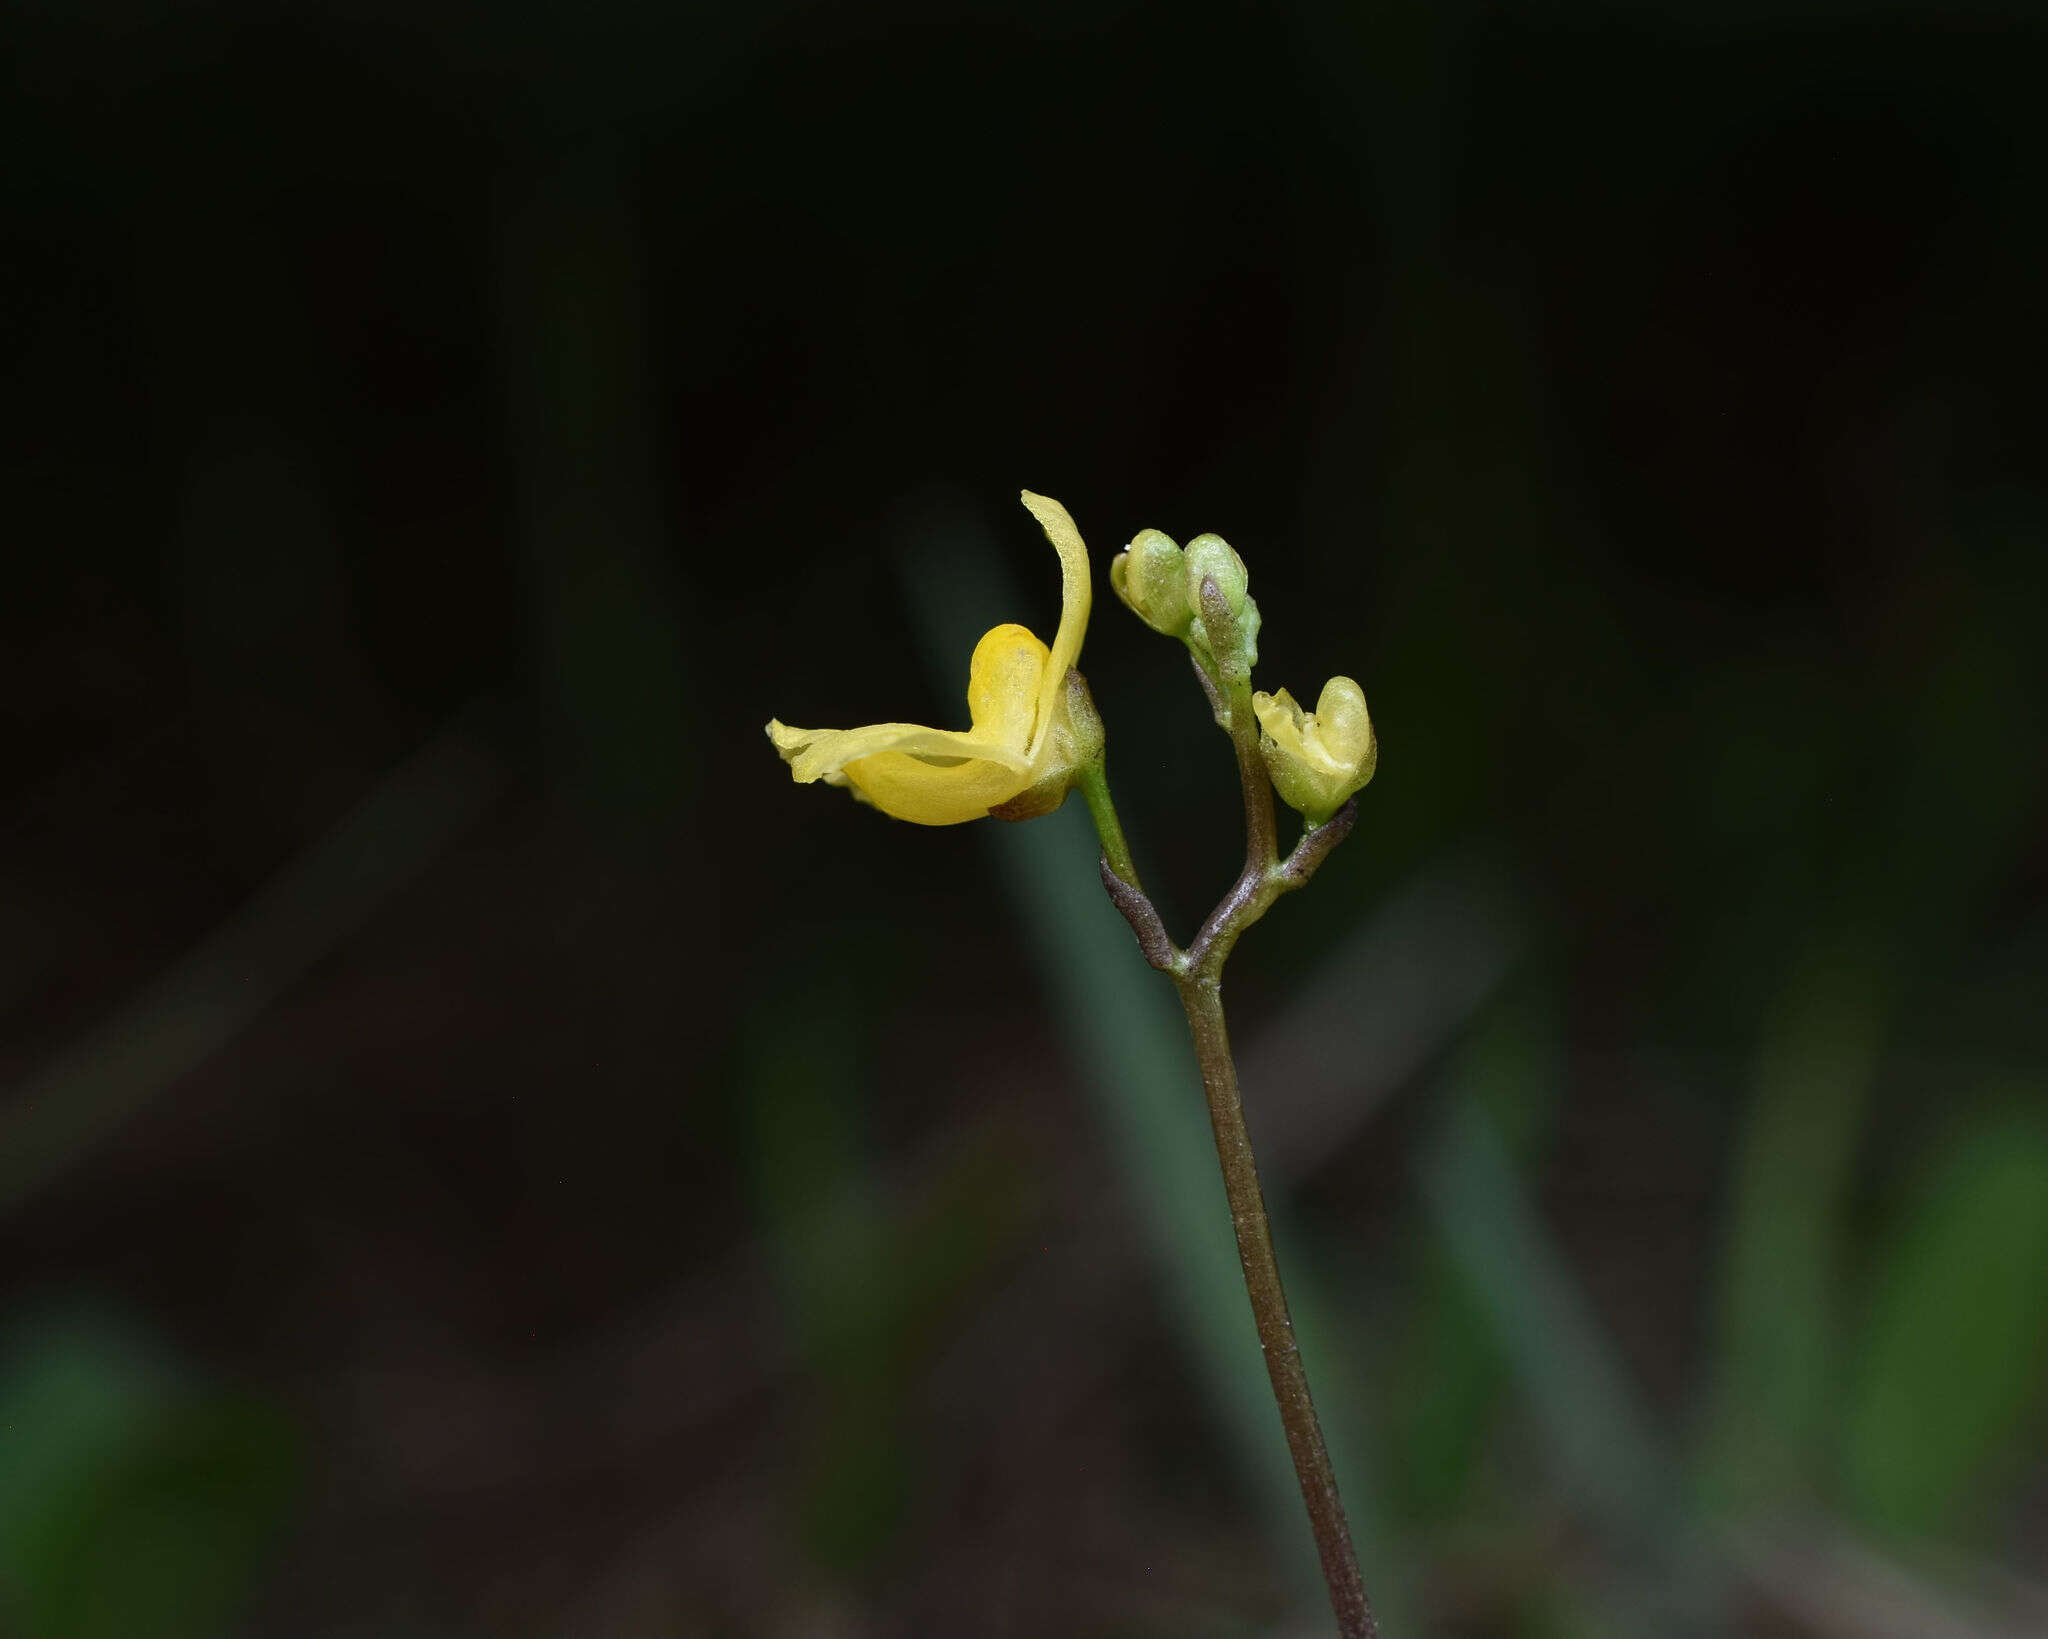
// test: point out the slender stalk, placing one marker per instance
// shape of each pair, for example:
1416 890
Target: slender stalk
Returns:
1094 783
1261 834
1197 975
1203 1000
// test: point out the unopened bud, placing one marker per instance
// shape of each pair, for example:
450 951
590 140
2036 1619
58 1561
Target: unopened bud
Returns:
1210 558
1150 575
1226 642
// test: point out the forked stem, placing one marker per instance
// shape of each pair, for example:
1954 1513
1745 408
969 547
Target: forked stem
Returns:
1197 974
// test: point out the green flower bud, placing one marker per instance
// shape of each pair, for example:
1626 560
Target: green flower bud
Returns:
1318 759
1235 652
1210 557
1150 575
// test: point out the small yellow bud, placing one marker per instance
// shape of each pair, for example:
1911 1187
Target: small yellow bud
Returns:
1318 759
1150 575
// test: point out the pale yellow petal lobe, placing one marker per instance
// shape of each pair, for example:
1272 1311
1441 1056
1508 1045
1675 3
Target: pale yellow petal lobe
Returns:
821 753
927 794
1347 726
1003 685
1076 598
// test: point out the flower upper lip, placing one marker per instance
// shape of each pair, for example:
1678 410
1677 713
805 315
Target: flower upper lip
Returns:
1076 599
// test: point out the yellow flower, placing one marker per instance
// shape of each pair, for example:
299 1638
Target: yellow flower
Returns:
1319 758
1024 732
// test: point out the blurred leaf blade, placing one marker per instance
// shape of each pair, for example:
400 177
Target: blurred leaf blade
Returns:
133 1505
1777 1364
1599 1430
199 1004
836 1284
1950 1371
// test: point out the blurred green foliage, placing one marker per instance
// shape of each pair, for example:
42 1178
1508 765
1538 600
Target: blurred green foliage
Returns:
1784 1270
134 1502
865 1276
1950 1370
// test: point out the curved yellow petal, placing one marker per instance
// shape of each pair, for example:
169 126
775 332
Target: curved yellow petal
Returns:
1346 724
1004 682
1002 703
1075 599
933 776
823 753
909 788
1282 719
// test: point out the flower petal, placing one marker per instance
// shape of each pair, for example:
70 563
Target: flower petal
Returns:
1075 599
934 776
1345 723
823 753
1004 683
910 788
1282 718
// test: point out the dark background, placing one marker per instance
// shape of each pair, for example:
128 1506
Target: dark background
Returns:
484 1155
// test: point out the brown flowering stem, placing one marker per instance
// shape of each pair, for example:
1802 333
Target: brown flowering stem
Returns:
1159 949
1203 1000
1317 842
1197 974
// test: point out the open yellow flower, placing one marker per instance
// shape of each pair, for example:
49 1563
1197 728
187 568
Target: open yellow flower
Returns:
1022 732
